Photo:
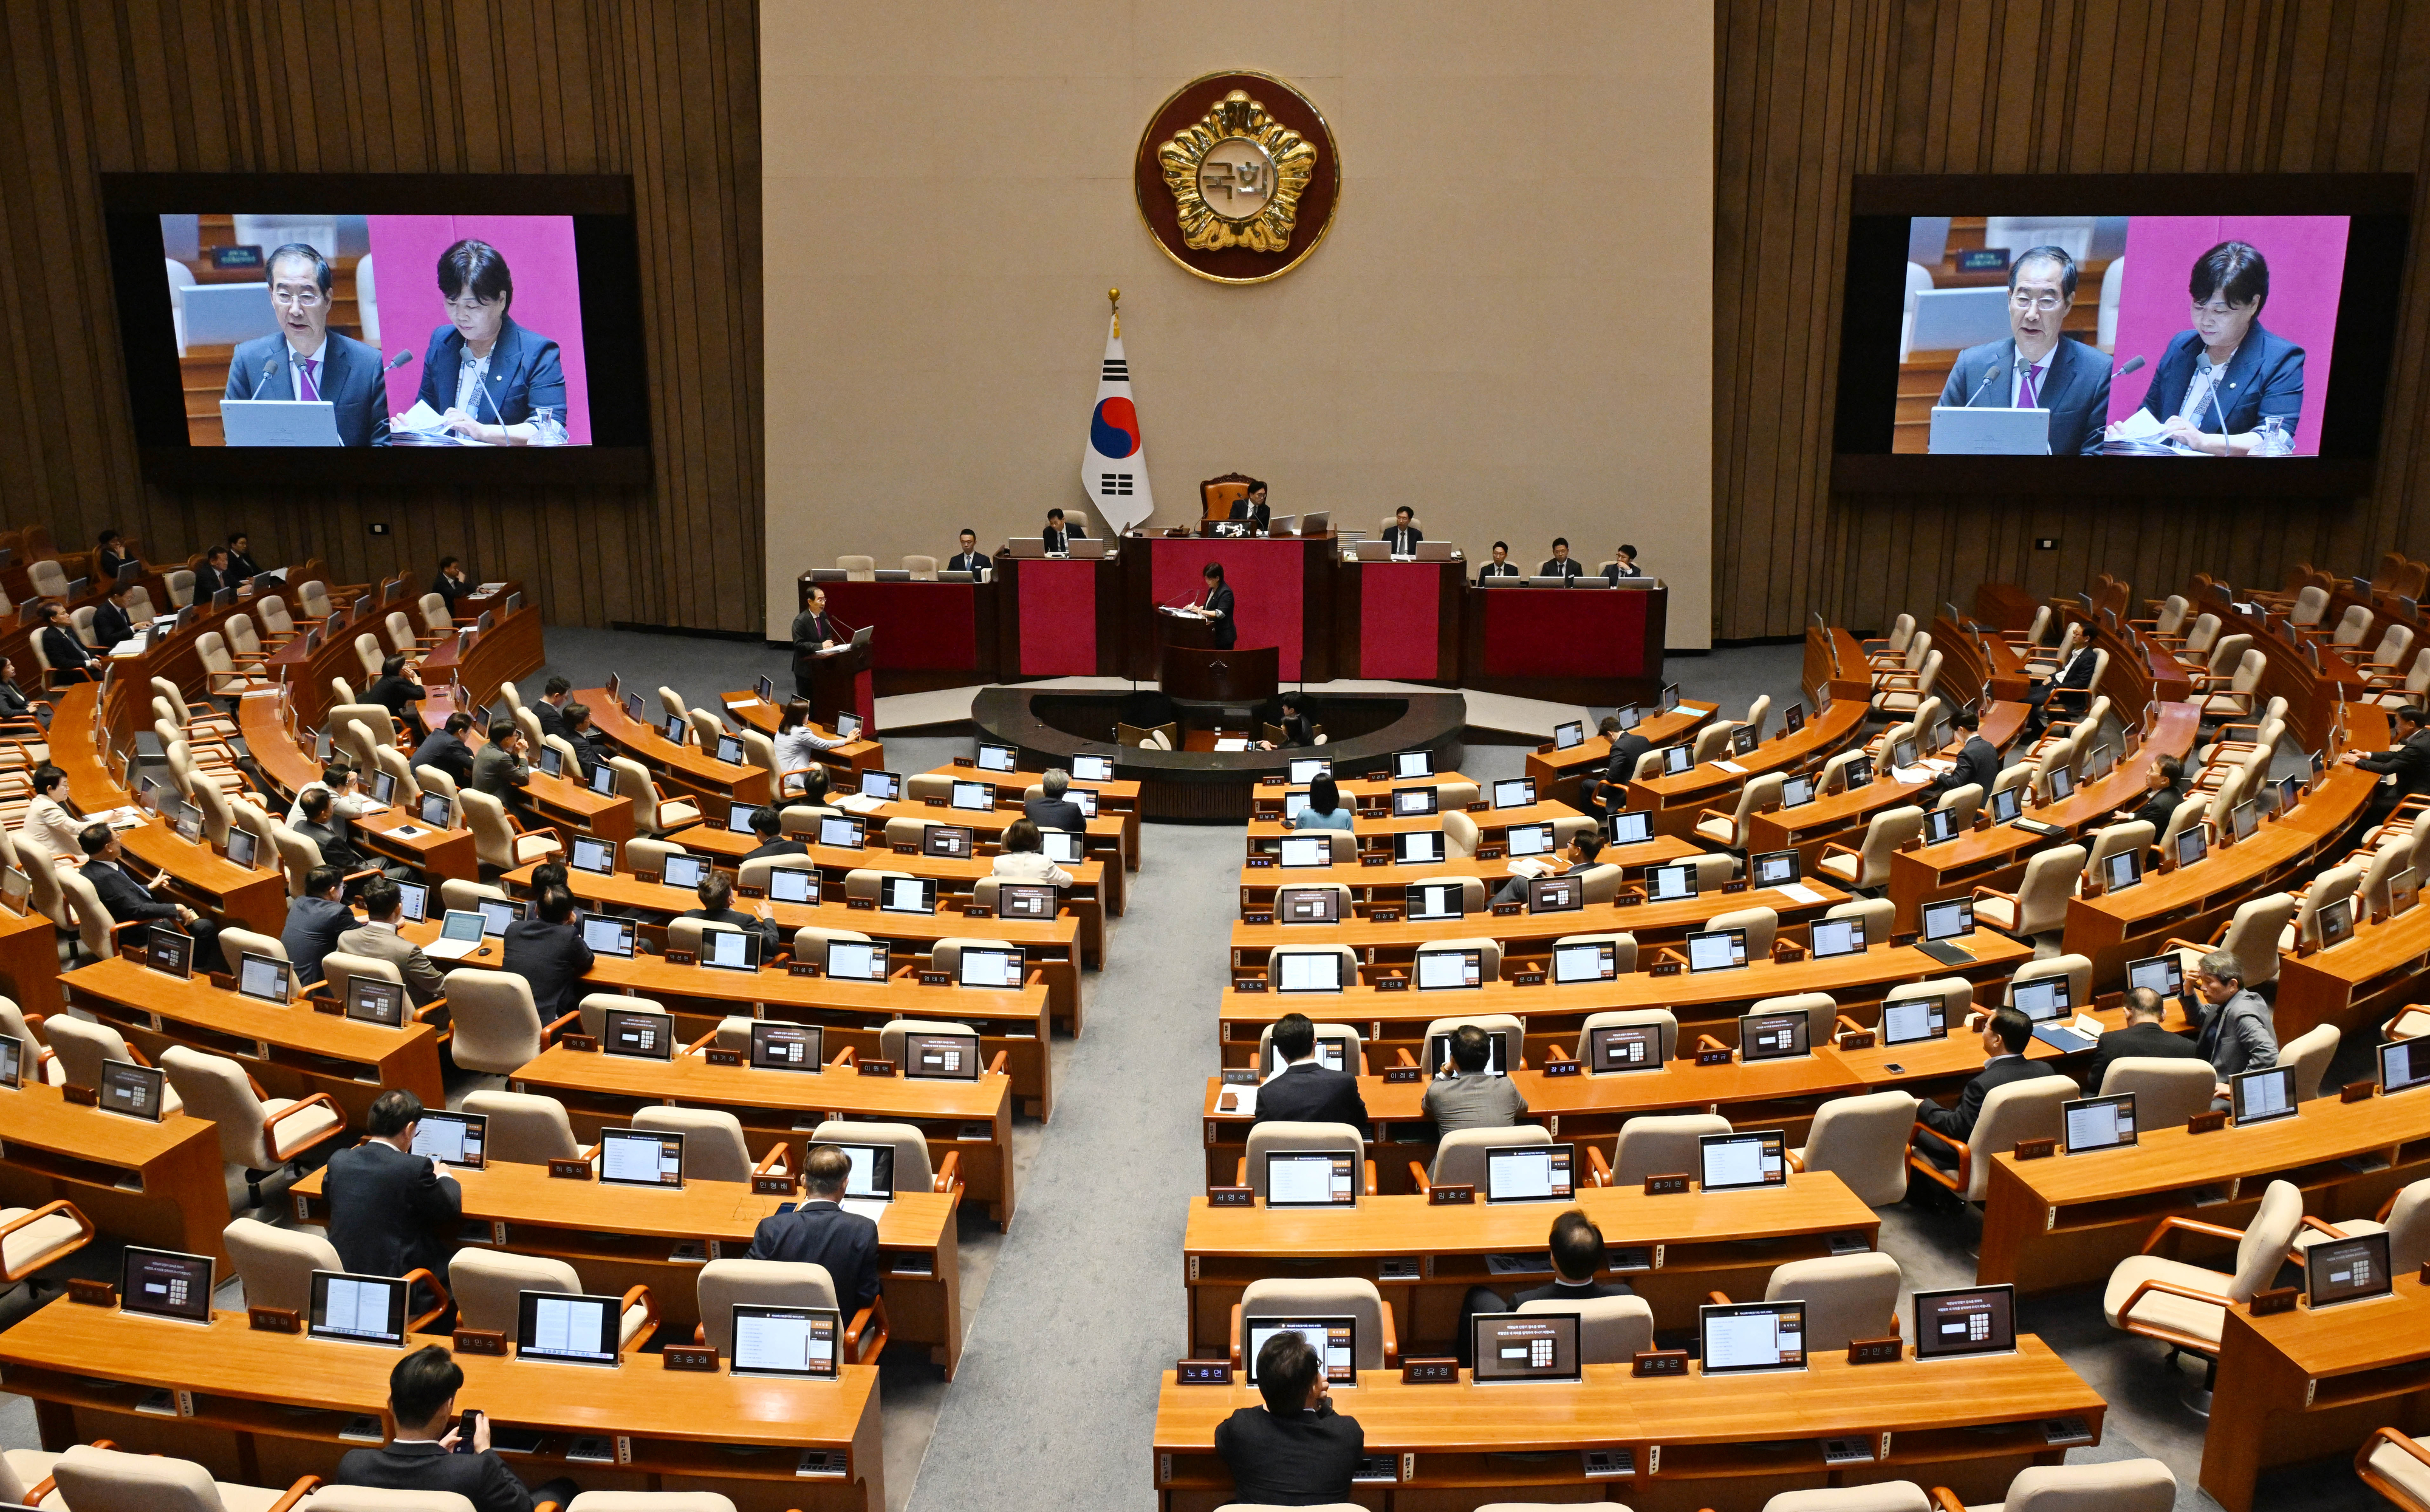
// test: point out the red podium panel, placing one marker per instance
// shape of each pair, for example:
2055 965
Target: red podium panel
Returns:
1400 619
1267 579
1574 644
920 626
1059 618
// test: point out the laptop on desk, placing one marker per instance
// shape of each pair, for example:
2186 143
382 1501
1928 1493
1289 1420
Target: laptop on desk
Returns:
460 936
1087 548
1373 550
1026 548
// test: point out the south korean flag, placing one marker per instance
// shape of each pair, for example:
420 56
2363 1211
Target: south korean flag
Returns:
1113 465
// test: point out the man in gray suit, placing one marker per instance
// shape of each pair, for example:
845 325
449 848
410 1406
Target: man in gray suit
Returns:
1471 1098
2035 367
378 939
2237 1033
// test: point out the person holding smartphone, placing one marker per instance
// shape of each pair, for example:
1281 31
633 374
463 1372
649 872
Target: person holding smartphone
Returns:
427 1454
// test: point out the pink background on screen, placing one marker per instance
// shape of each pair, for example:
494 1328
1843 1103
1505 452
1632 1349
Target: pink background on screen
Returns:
2307 263
539 250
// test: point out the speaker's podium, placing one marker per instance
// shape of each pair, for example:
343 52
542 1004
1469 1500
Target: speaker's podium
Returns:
1189 666
838 681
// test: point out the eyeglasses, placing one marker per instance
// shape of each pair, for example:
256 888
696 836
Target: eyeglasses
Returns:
300 298
2026 299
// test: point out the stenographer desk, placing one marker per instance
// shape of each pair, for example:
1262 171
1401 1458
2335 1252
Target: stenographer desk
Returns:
1390 882
1678 802
1697 1441
267 1408
618 1238
971 1121
157 1184
1556 773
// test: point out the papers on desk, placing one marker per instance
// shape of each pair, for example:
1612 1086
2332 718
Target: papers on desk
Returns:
867 1207
1244 1100
742 703
2141 426
2065 1039
1912 776
1799 893
859 803
1938 763
128 648
1730 767
1531 866
407 832
430 426
1231 744
127 817
492 588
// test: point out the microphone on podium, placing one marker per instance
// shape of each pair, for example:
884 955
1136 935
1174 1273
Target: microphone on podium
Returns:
269 368
397 361
1989 373
2132 364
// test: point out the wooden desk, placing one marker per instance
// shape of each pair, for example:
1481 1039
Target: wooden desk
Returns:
157 1184
267 1408
288 767
1841 818
1121 796
1556 773
853 756
1972 668
1258 883
1265 835
510 648
712 784
1268 799
2357 983
1677 802
973 1119
2315 697
1104 844
1707 1440
2305 1385
292 1052
619 1238
571 809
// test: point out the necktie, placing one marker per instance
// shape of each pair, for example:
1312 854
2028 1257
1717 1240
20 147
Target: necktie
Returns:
2030 398
311 389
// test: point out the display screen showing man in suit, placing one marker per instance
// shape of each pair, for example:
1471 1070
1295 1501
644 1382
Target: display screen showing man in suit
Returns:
305 359
2034 366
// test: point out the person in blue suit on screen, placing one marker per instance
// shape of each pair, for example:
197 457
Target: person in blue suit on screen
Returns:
2218 386
485 374
305 359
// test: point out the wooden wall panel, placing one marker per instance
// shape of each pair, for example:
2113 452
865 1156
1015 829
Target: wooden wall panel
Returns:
666 91
1812 93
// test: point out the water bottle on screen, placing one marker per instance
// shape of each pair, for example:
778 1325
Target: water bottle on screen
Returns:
2273 439
546 429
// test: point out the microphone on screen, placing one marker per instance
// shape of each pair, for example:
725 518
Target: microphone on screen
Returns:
269 367
1989 373
397 361
2132 364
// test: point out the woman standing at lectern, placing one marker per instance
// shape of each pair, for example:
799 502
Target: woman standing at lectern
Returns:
1217 607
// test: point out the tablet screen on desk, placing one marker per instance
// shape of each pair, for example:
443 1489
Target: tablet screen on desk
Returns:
1965 1321
1529 839
1413 764
1634 827
1416 845
1437 900
730 749
603 780
1497 1058
1085 797
847 727
1715 950
131 1090
2040 999
1590 962
1907 1020
676 728
166 1283
1949 918
2243 819
1307 970
1774 1036
496 914
730 950
243 845
638 1032
789 1343
1534 1346
1837 937
884 786
1560 894
975 797
567 1327
1529 1173
994 757
453 1139
1569 735
262 976
941 1057
640 1157
2259 1096
1336 1340
1311 1178
435 811
1441 969
871 1178
737 818
1332 1053
793 883
596 857
1776 869
2164 974
2355 1270
12 1062
1306 850
375 1000
2336 922
2193 843
776 1046
1676 759
552 761
856 960
910 895
1940 824
1306 906
1514 792
1624 1047
1628 717
1667 884
2091 1123
2122 869
359 1309
169 953
2007 805
1797 793
1091 769
953 841
991 966
834 829
1408 802
2403 1064
1752 1335
1744 1161
1305 769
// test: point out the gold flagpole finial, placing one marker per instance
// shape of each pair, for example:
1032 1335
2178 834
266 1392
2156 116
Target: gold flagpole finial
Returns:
1114 297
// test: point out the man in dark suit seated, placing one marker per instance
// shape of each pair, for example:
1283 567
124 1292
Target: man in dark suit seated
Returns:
452 582
1052 810
423 1457
1252 507
1304 1091
1501 566
2005 1033
590 749
820 1232
1627 749
211 576
1561 564
314 921
768 828
2142 1036
1295 1450
968 559
130 902
716 892
1403 536
1624 564
241 568
2163 790
2070 687
1577 1276
111 623
323 828
1978 759
390 1211
550 710
1060 535
396 692
548 953
305 359
70 662
2404 768
445 748
2034 366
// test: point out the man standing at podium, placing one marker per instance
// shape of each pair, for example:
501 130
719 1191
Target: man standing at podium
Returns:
2035 367
305 359
812 633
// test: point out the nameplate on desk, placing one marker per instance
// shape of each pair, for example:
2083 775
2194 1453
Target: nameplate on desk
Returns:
1262 916
725 1057
801 968
92 1293
864 905
2209 1123
750 892
964 761
1670 1186
480 1342
1374 813
2275 1299
1248 984
1492 853
1877 1351
1659 1362
2035 1149
935 978
1273 782
1261 863
273 1320
1480 807
1450 1194
683 958
77 1096
1857 1040
221 980
1786 951
1563 1068
689 1357
570 1169
771 1184
1508 910
905 847
1384 915
322 1005
1629 897
1376 858
977 910
1202 1373
1391 984
1231 1197
875 1068
1711 1056
1663 969
1738 885
2356 1092
1904 941
1403 1075
1534 978
579 1042
1430 1373
650 877
934 803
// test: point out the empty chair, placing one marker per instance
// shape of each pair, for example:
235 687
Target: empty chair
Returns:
2130 835
1879 1496
1711 743
81 1046
1864 1141
1661 1146
653 813
2185 1306
2077 968
1318 1297
714 1149
1877 913
465 897
2113 1485
776 1283
525 1127
2168 1089
2251 936
277 1266
379 1498
2039 906
2309 1055
1285 1134
1847 1297
1665 1023
2332 886
1821 1013
109 1480
256 1132
1611 1331
1460 1158
489 1285
338 968
1870 866
1728 828
1761 925
1899 695
2020 1110
2234 700
1964 802
497 1027
2405 1218
496 839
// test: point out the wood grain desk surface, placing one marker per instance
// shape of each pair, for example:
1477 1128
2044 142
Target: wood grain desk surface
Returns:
39 1118
747 705
1543 811
1660 851
2171 735
691 1080
197 1001
716 840
2351 1337
1085 875
745 782
289 766
1658 731
1679 1084
625 891
1119 792
2167 1159
1824 734
1681 914
2314 820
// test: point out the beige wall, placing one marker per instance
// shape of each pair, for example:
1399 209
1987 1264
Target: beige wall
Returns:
1509 325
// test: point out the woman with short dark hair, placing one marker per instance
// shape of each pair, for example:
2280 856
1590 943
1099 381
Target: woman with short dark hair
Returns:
487 376
2229 387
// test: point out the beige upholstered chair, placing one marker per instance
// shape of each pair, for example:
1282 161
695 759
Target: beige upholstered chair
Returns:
276 1264
2252 936
1665 1023
1661 1145
81 1046
1611 1330
912 1171
858 569
714 1149
1355 1058
1864 1141
380 1498
1762 925
777 1284
2405 1218
2310 1053
1729 828
1280 1135
2185 1306
1460 1158
1349 963
2332 886
338 968
496 841
2111 1486
109 1480
1900 695
489 1285
1847 1297
525 1127
258 1132
2039 906
2020 1110
1870 867
1323 1297
497 1028
2077 968
1878 914
2168 1089
653 812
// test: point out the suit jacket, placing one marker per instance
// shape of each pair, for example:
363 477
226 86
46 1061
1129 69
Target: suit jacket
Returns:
2143 1039
1302 1458
209 580
396 694
381 944
67 652
2157 809
821 1233
1979 761
499 774
1614 572
1497 570
2409 762
110 624
1260 516
967 561
1627 749
2074 388
448 753
481 1479
1219 605
1561 567
552 958
1054 813
349 379
2238 1036
1060 540
336 849
1310 1093
241 568
126 899
390 1211
1471 1101
764 928
525 376
2264 378
450 589
552 719
776 847
1563 1292
313 925
1957 1123
1404 539
104 567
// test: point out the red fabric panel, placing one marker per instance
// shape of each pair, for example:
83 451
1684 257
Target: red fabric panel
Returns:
1550 632
920 625
1058 619
1400 618
864 695
1264 576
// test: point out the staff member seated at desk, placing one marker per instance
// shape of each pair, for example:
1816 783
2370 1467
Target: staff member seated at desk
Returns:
241 568
2005 1033
1978 759
1501 566
1304 1090
590 748
1251 507
2164 785
1024 856
967 560
799 745
2238 1034
1052 810
1583 848
1627 749
112 624
717 907
820 1232
1472 1099
1325 809
1624 564
1295 1450
548 953
130 902
314 921
385 902
108 556
70 662
1577 1276
1403 539
451 582
2405 770
1560 564
1298 729
445 748
15 703
390 1211
2142 1036
1059 536
768 828
423 1457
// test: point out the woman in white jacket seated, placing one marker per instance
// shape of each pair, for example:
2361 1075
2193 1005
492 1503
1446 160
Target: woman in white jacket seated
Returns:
1024 856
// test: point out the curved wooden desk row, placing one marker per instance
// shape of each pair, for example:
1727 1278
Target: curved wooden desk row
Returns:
391 833
1840 818
1375 829
515 650
1678 802
2305 1384
1121 796
1105 842
1556 773
1388 883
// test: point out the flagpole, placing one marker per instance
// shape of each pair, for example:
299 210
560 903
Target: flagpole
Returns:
1114 297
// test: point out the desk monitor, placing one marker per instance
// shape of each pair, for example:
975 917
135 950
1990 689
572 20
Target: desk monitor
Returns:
994 758
644 1034
1633 826
1295 804
2091 1123
1744 1337
995 966
1308 906
840 831
1410 802
2403 1064
732 950
1027 900
675 729
2042 999
1453 969
458 1140
1716 950
1774 1036
909 895
737 818
1856 773
1743 738
1531 1346
1437 900
188 819
608 937
1965 1321
552 761
597 858
1569 735
496 914
1529 839
858 961
786 1343
1676 759
1561 894
603 780
438 813
2243 819
1514 792
2164 974
1336 1340
1776 869
847 727
686 871
793 883
1622 1047
1668 884
2100 763
1418 846
2061 784
131 1090
264 977
2341 1271
941 1057
357 1308
12 1063
1065 847
1502 1048
375 1000
243 846
972 797
1744 1161
384 786
2122 869
1307 970
166 1283
2336 922
1413 764
1794 719
640 1157
778 1045
884 786
1907 1020
1629 718
1585 961
1670 697
1305 769
169 953
1306 850
955 841
1311 1178
1836 936
1085 798
2260 1096
1949 917
1093 769
2007 805
2192 843
568 1327
1941 824
1530 1172
2401 889
2290 790
1797 791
